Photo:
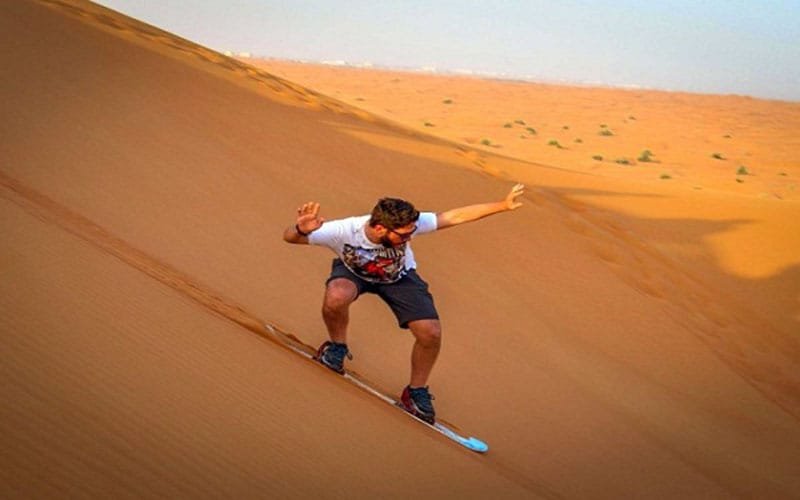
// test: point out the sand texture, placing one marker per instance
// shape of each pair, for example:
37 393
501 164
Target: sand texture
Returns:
622 335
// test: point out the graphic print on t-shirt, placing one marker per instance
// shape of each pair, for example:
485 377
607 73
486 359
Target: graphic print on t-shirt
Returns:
381 265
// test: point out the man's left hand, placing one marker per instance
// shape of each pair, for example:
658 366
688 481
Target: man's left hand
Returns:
511 200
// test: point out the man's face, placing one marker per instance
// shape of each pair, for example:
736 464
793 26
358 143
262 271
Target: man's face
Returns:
399 236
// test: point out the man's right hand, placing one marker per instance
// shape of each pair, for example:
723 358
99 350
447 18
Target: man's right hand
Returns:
308 219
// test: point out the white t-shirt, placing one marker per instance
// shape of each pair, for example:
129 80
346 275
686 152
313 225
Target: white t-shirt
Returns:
369 261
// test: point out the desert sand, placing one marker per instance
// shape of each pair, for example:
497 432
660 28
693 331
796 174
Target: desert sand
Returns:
630 332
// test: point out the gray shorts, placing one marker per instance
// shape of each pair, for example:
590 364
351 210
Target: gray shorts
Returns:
408 298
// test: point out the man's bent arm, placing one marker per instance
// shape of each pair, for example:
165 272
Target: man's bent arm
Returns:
290 235
475 212
308 221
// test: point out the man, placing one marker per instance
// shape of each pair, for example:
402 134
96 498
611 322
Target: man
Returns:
374 256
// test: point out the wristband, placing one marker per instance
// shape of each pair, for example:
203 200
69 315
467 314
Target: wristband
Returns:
301 233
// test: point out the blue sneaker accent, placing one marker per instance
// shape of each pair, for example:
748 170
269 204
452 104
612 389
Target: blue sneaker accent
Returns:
332 354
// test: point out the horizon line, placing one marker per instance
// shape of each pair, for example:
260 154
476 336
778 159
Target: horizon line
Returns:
493 75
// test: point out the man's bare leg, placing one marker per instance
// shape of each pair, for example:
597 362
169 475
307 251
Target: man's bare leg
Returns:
339 294
428 335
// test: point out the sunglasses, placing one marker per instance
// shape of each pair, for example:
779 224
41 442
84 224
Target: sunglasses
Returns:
406 235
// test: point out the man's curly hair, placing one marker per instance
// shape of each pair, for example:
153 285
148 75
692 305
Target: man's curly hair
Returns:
392 213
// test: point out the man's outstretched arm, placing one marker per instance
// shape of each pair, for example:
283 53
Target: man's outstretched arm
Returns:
471 213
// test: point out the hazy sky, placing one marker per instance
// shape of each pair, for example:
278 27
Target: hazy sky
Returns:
732 47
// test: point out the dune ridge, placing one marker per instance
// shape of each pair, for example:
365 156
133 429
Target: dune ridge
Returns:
49 211
601 350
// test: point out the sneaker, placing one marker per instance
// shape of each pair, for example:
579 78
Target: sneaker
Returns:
332 354
417 401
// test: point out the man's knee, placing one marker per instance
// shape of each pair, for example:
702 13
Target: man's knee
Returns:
428 332
339 294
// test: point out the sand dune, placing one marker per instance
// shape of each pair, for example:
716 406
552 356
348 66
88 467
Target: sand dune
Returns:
618 336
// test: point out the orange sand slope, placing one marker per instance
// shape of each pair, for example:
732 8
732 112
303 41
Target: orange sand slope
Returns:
607 339
594 128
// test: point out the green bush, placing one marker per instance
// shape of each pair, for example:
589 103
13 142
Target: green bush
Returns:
646 156
606 132
553 142
597 158
742 170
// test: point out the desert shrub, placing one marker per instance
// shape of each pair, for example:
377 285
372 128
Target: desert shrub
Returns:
646 156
